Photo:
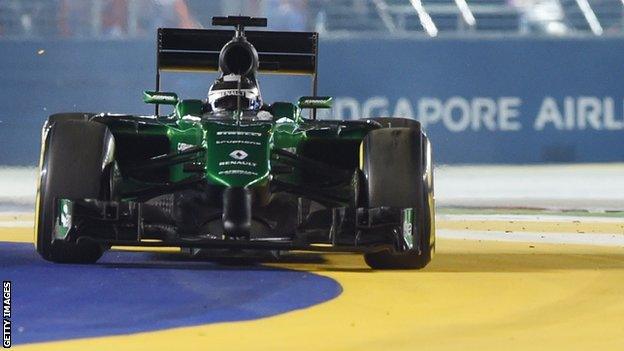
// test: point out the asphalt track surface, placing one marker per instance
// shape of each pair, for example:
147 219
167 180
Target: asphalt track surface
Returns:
475 295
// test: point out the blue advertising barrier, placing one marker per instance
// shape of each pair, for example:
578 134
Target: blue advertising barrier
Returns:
518 100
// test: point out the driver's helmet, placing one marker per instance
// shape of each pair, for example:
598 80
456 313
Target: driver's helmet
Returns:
224 94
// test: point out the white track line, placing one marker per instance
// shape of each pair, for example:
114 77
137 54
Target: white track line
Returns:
529 218
542 238
17 224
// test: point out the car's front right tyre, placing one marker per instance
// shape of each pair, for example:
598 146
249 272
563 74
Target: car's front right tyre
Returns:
397 168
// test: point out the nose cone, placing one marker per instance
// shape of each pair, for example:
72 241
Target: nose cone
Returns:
237 212
238 156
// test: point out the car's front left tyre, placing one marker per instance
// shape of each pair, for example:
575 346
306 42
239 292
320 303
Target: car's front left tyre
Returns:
76 156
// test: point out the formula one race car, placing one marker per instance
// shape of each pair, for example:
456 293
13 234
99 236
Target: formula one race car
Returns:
231 174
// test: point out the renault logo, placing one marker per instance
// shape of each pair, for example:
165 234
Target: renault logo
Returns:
238 155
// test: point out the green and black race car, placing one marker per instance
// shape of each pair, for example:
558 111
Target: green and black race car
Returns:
232 174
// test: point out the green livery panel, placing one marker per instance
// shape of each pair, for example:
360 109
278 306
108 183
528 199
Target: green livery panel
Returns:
238 155
234 153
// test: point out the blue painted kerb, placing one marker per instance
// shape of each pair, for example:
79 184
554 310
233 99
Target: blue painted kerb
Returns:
137 292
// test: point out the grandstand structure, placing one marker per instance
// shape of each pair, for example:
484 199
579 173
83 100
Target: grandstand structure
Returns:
91 18
433 17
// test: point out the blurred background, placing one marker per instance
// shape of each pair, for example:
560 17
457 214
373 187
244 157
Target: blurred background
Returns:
124 19
494 82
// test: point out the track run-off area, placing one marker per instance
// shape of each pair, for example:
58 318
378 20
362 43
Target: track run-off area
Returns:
498 281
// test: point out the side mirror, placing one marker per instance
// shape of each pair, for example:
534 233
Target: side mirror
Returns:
161 98
315 102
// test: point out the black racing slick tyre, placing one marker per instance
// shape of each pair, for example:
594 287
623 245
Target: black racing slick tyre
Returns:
75 161
396 122
397 168
70 116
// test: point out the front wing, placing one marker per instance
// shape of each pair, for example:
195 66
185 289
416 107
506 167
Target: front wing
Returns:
122 223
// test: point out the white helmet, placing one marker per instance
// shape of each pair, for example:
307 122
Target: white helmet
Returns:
224 94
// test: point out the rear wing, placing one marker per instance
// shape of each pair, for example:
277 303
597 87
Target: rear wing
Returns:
197 50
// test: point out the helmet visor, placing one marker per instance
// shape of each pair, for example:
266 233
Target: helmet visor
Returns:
230 103
221 100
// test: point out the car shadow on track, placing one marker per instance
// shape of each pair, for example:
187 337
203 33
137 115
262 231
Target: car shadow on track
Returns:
306 261
205 262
